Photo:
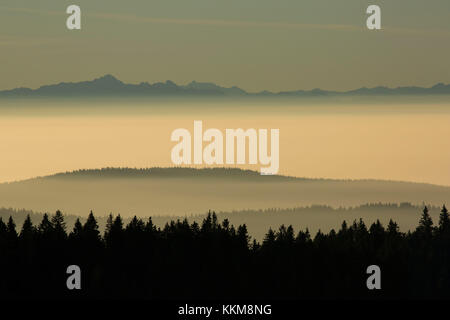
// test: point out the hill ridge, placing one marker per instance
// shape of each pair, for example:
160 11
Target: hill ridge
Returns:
182 172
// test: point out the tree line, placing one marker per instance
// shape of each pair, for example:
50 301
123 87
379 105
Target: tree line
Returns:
213 259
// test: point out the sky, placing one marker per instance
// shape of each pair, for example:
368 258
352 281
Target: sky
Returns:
388 141
254 44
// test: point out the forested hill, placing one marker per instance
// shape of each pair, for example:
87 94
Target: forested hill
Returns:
184 191
213 172
171 172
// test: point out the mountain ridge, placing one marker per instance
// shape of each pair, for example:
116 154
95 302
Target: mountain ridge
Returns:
110 85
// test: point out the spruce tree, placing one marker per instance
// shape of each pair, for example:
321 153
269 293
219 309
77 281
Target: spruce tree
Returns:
45 227
90 228
77 231
3 229
59 226
444 220
11 229
28 229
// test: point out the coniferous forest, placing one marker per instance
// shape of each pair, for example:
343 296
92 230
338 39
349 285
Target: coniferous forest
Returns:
215 260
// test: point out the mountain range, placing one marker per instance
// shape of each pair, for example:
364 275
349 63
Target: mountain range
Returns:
109 85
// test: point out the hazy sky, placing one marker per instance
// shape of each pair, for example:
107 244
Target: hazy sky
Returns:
254 44
389 141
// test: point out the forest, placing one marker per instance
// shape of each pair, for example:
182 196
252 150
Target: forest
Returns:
215 260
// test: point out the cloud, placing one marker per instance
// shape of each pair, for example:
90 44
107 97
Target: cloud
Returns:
128 18
222 23
389 30
204 22
26 41
33 11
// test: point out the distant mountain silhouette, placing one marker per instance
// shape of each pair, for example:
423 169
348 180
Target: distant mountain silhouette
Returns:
108 85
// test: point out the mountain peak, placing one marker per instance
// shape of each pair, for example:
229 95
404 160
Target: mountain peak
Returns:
108 78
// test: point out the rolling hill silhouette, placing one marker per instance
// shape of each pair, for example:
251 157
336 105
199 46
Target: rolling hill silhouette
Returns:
184 191
108 85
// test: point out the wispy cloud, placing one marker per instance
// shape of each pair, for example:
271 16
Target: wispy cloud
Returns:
27 41
222 23
33 11
392 30
128 18
206 22
425 32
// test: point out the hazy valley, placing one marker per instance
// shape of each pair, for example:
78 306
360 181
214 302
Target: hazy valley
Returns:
243 196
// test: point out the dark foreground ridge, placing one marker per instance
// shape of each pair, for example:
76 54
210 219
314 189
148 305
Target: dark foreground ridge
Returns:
214 260
108 85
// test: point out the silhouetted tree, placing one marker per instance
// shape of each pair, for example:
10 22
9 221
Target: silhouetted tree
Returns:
242 235
269 238
3 228
45 228
77 231
90 228
141 260
444 220
425 227
58 226
393 228
28 231
11 229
